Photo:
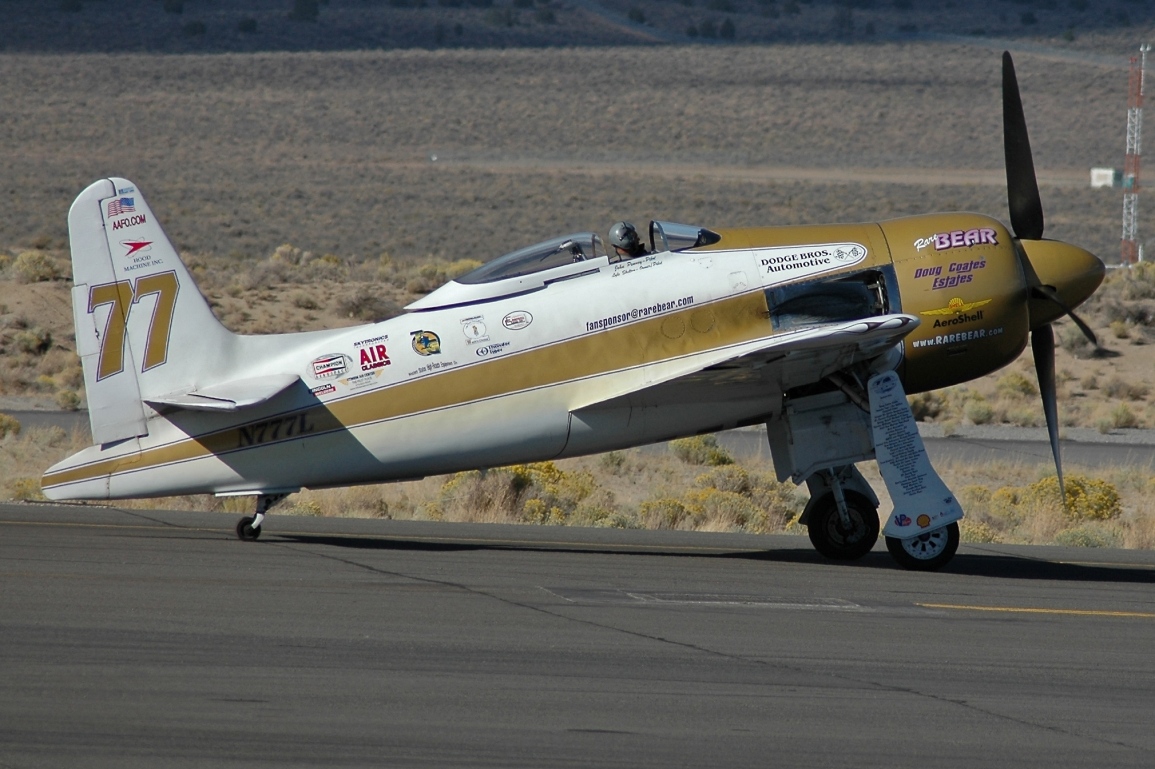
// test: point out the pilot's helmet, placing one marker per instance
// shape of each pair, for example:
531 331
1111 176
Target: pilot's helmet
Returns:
623 235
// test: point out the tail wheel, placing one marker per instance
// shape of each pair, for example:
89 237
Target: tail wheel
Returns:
837 541
929 551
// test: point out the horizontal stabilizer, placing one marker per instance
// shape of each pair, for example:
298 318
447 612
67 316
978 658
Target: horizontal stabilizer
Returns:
230 396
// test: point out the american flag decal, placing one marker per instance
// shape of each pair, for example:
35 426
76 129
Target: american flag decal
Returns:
121 206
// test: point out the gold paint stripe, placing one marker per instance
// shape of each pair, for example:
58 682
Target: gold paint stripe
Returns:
738 319
1028 610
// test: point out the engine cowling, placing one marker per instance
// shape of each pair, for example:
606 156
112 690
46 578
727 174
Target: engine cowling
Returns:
960 275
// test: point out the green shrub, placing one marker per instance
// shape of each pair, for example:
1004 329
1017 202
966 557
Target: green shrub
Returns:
1123 418
663 513
68 400
367 304
979 412
33 341
927 405
25 489
613 462
725 509
1087 535
700 450
730 478
1016 385
1117 387
35 267
1088 499
9 425
977 531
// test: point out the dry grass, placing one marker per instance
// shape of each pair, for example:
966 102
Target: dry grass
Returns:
650 489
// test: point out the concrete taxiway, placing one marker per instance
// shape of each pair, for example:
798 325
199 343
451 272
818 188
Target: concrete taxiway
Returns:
135 639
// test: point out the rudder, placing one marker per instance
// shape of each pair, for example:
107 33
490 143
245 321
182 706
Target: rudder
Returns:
134 303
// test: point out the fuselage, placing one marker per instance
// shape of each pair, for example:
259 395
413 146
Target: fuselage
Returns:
498 377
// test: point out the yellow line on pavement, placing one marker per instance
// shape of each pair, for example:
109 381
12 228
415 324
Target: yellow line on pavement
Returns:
1028 610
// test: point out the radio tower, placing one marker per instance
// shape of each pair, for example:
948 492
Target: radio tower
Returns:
1132 251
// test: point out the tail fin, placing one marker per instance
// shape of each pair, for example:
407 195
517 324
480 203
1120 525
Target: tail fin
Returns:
142 327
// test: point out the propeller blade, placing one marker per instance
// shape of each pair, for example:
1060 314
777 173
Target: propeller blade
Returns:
1049 293
1026 206
1043 347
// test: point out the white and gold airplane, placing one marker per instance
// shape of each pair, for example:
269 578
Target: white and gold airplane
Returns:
562 349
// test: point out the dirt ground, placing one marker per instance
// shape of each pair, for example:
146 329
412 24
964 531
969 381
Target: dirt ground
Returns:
430 157
334 152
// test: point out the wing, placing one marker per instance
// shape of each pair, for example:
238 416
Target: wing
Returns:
753 370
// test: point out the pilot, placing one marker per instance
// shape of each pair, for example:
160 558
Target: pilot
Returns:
624 238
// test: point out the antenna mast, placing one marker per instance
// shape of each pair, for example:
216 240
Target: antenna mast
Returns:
1132 251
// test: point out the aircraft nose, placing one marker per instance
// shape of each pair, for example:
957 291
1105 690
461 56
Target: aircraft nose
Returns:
1073 272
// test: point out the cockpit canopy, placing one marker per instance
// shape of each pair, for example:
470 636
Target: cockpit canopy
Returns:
559 252
670 236
564 258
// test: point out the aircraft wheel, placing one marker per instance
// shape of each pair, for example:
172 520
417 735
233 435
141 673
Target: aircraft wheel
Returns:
926 552
245 530
831 539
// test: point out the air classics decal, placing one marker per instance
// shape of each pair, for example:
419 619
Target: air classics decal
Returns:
778 265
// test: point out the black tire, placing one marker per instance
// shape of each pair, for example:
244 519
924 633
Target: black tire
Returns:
926 552
245 530
830 538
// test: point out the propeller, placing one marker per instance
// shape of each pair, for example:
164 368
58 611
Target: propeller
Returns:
1026 210
1022 188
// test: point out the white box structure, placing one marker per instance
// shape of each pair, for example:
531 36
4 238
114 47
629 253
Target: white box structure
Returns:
1106 177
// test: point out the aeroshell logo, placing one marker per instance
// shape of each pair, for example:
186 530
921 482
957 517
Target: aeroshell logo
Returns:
517 320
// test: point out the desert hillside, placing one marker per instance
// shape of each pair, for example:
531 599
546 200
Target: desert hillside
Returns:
187 26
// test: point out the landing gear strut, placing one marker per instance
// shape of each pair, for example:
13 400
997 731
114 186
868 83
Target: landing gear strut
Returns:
249 527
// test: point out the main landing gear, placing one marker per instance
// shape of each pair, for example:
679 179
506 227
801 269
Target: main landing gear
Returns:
842 520
843 525
249 527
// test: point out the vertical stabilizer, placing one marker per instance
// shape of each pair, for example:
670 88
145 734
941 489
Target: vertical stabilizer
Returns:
141 323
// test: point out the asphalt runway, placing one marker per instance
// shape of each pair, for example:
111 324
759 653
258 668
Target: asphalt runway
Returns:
147 639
